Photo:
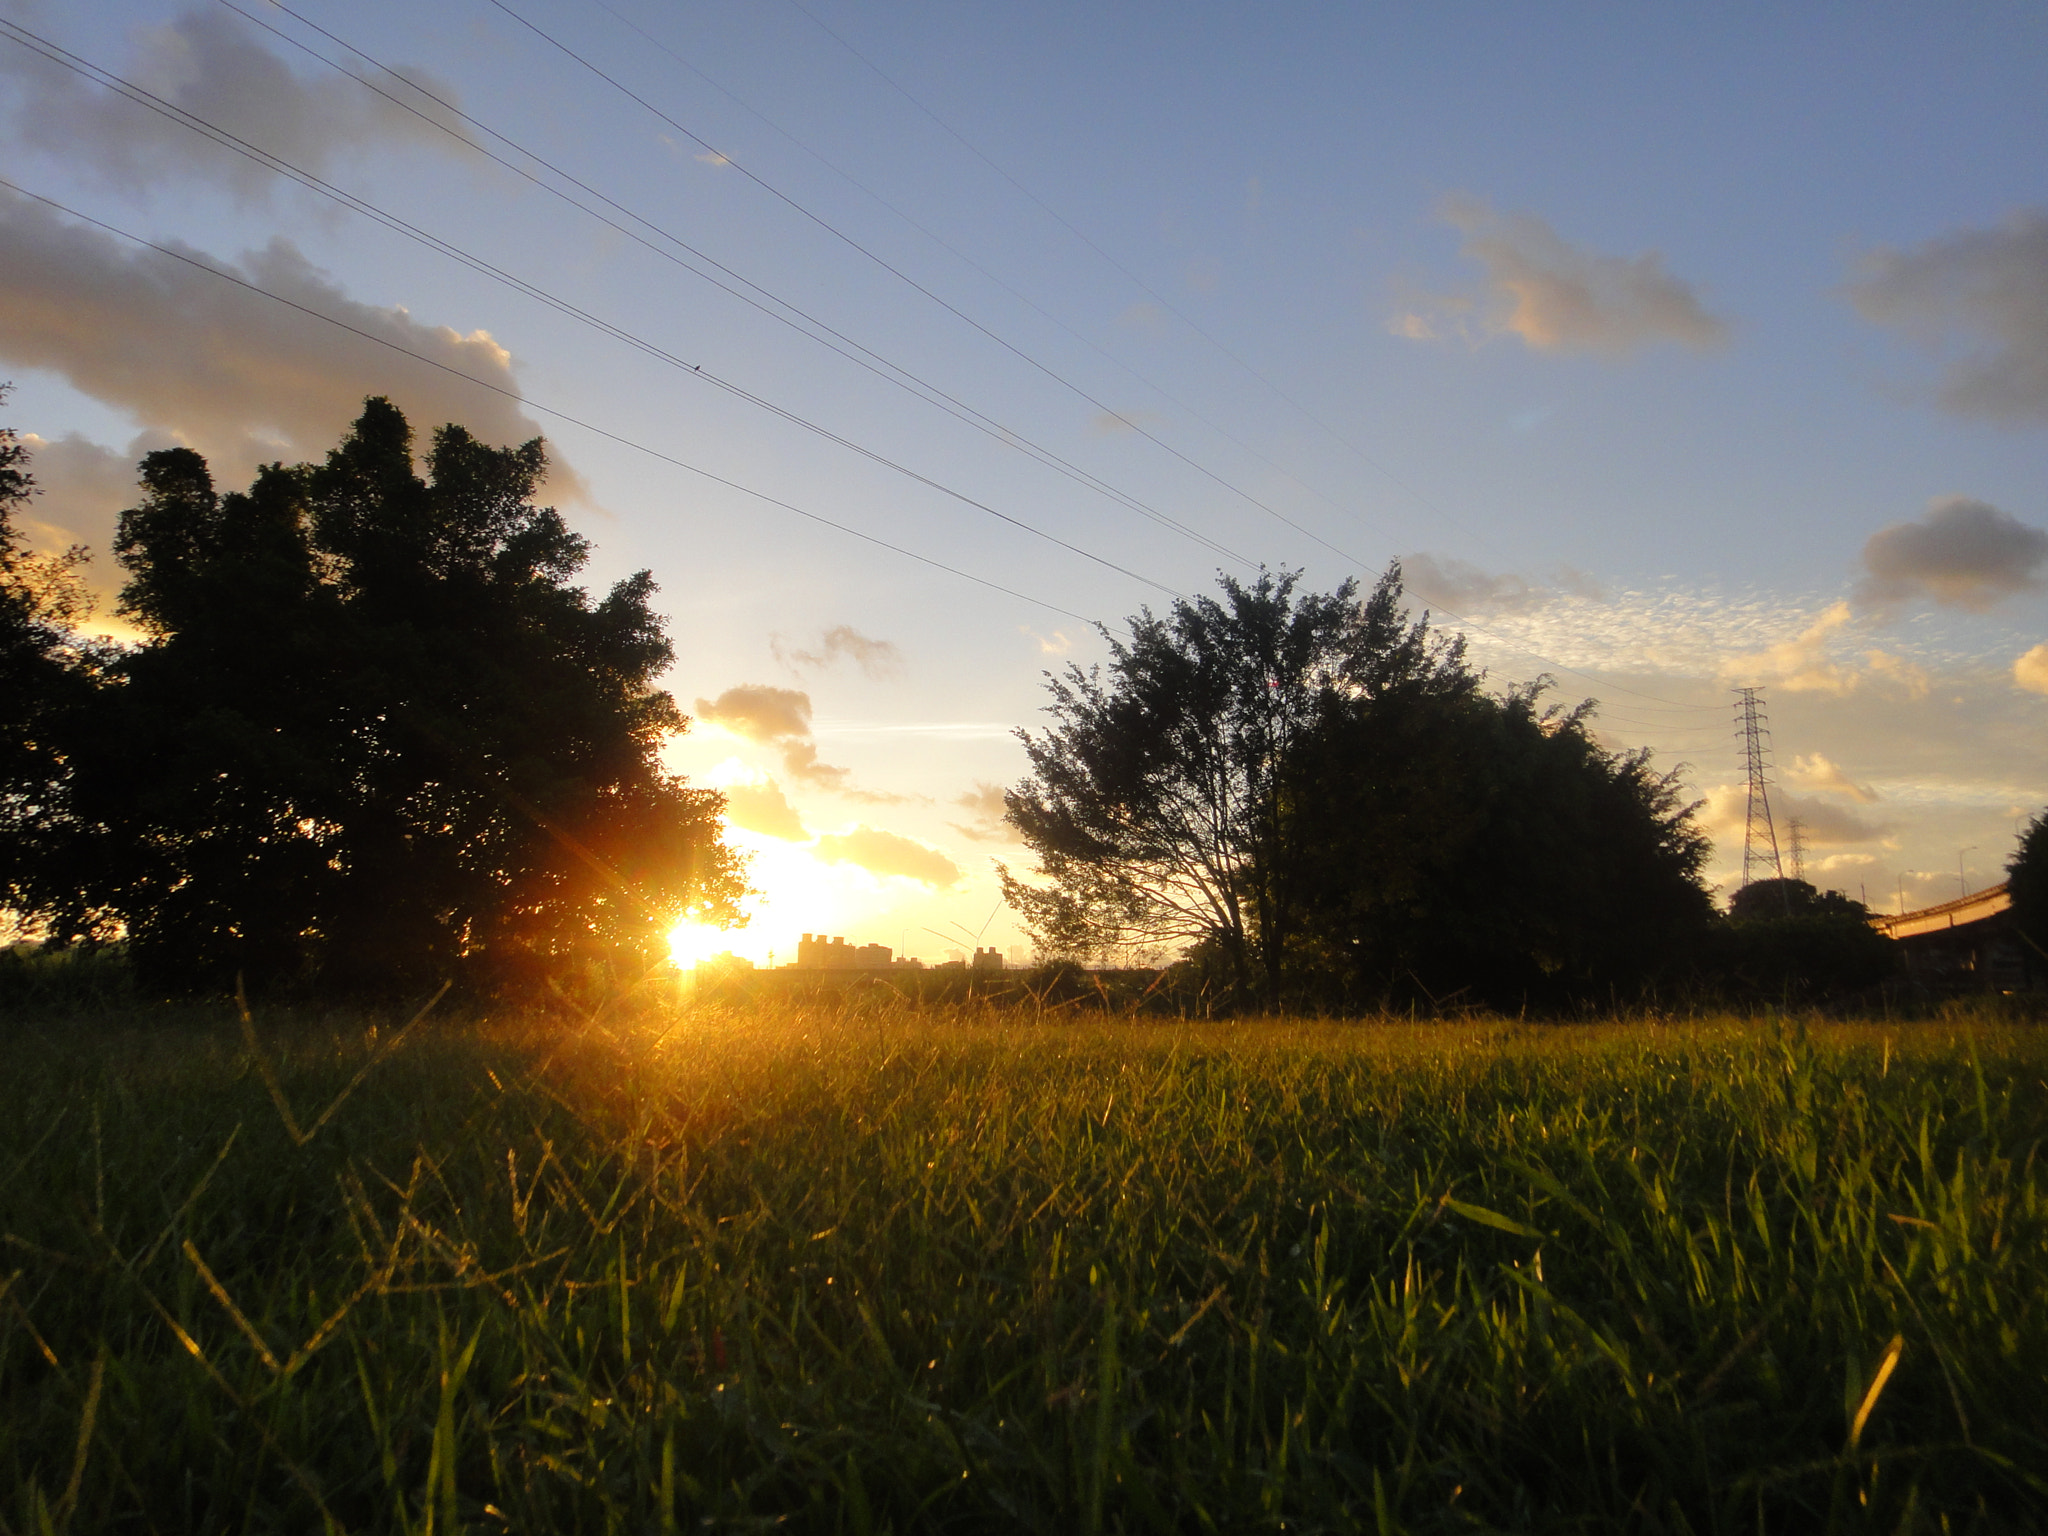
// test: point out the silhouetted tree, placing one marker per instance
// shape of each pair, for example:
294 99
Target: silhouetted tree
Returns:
377 737
1495 853
47 673
2027 882
1316 796
1763 900
1785 942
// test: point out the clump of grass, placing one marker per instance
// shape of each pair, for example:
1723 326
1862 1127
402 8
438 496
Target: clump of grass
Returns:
852 1267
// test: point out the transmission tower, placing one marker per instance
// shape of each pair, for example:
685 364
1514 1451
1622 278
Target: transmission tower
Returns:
1759 837
1796 836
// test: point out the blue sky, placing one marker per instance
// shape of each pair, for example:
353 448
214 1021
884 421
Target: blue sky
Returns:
1671 350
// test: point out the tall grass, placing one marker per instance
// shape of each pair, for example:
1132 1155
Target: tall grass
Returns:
851 1268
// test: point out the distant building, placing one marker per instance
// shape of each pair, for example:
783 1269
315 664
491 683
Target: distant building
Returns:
815 952
988 960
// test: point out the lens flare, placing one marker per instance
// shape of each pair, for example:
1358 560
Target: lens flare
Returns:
691 943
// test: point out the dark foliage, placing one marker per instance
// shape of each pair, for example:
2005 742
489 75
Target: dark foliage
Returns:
1786 943
46 672
376 738
2027 880
1318 798
1786 897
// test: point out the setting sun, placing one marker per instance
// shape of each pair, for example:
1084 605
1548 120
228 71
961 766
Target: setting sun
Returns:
691 943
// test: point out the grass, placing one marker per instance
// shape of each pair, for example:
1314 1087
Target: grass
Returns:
854 1268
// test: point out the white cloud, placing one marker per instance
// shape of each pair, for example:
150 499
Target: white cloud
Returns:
1054 644
244 379
215 66
2031 670
1814 771
1555 296
1984 288
1964 553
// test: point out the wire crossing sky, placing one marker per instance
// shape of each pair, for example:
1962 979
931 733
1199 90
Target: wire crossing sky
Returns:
1667 355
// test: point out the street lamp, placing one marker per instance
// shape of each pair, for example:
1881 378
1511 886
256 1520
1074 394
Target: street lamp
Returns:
1962 880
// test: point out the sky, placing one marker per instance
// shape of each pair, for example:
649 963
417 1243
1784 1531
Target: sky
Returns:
1670 352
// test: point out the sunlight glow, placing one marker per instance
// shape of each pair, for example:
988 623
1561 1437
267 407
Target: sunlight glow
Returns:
690 943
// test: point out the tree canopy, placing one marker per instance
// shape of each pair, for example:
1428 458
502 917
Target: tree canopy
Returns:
376 736
1318 796
2027 883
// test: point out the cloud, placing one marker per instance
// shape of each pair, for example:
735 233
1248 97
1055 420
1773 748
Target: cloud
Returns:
1816 772
1823 823
1457 584
1054 644
1965 553
85 487
1984 288
877 658
886 853
243 379
214 66
776 717
989 823
1555 296
765 809
2031 670
759 712
1807 663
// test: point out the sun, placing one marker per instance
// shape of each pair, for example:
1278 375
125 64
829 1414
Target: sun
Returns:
691 943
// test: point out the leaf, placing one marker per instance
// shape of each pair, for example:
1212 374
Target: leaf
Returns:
1486 1218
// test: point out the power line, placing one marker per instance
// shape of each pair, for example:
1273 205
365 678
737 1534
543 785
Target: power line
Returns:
356 204
768 303
900 275
546 410
1021 297
906 278
1171 308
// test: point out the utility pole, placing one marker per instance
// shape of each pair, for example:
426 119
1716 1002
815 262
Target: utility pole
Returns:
1798 840
1963 880
1759 837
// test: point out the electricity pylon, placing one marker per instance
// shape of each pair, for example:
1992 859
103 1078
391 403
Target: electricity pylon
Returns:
1759 837
1796 836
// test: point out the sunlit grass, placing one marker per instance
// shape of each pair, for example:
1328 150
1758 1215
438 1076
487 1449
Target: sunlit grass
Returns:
852 1268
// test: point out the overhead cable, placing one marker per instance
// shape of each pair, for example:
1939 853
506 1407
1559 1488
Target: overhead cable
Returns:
477 264
547 410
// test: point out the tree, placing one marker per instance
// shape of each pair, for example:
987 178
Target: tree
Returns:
46 672
2027 883
376 737
1317 794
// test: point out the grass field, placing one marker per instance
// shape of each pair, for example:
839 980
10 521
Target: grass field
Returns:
851 1268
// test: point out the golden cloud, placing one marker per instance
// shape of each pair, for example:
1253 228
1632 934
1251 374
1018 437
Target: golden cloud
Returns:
1555 296
887 853
2031 670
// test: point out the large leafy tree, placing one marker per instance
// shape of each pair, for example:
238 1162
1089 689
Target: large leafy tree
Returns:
377 736
1160 805
1316 795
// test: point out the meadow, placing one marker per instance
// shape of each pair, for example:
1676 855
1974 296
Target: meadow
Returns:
850 1265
